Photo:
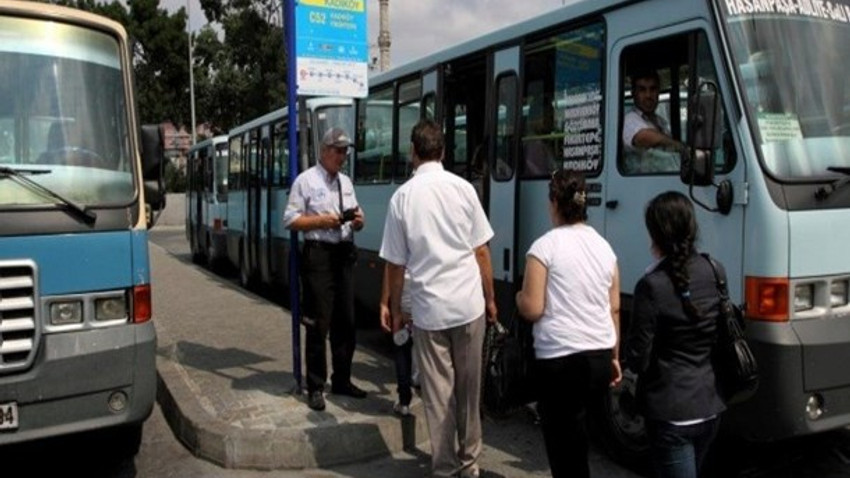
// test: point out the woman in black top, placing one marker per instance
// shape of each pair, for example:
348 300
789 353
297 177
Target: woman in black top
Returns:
676 307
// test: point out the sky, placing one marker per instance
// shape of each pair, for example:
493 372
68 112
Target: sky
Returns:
421 27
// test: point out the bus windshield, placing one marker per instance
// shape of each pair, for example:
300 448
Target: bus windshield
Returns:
62 115
791 59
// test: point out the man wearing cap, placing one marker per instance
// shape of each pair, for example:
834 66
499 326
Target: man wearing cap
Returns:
323 206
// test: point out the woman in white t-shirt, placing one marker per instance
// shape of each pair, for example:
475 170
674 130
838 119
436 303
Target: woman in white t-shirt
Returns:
571 293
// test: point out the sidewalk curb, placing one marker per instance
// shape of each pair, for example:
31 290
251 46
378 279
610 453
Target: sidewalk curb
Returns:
281 448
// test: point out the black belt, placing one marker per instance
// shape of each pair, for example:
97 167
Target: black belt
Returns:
331 246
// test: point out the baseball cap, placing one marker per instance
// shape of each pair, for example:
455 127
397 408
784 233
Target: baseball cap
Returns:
337 138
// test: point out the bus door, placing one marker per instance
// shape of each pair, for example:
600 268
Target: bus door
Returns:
248 267
196 206
680 56
277 241
267 182
500 197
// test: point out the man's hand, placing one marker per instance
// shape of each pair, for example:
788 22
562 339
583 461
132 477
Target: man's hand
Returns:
492 311
616 373
331 221
359 220
386 318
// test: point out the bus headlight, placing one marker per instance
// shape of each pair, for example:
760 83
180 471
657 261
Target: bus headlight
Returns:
804 295
838 293
110 308
66 312
814 407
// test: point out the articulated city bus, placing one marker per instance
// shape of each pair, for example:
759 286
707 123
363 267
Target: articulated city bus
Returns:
206 201
78 186
760 94
258 188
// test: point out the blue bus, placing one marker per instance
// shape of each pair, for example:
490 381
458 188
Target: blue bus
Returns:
206 201
257 187
78 188
760 94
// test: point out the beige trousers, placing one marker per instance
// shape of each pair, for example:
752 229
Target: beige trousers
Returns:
450 376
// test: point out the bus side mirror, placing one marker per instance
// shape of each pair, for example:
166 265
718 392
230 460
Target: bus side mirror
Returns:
153 166
704 137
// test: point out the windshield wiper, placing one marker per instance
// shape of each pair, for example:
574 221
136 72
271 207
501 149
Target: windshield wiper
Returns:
823 192
20 175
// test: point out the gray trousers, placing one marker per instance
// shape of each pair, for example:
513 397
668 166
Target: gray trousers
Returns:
450 376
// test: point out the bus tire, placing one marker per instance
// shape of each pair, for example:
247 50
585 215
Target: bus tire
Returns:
619 428
213 263
197 253
124 441
246 278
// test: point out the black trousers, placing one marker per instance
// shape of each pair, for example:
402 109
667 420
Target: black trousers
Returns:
328 301
404 370
566 386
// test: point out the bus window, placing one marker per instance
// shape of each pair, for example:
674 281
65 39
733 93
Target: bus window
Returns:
221 170
375 132
280 154
657 100
409 94
429 106
505 128
562 100
234 176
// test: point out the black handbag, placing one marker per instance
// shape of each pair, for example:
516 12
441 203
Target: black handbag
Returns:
735 367
507 361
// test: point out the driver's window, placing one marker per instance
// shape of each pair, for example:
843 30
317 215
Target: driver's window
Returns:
658 101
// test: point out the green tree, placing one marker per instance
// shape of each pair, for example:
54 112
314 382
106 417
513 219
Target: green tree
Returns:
175 178
239 59
160 48
244 74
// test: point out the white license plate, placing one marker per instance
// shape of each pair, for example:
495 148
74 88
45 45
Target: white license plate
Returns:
9 416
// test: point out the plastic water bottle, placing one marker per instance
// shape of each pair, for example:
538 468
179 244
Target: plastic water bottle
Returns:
402 335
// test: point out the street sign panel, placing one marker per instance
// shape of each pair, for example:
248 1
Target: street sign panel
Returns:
331 48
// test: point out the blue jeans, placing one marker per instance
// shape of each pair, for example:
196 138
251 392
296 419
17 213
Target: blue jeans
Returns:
679 451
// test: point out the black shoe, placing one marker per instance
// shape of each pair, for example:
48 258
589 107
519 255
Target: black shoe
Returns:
349 389
316 400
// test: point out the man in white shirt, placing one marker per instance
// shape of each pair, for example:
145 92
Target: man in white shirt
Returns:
647 141
322 204
437 231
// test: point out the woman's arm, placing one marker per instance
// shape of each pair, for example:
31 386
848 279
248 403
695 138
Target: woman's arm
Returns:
531 299
614 299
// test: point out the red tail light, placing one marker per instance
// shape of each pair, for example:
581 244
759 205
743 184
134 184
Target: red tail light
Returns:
142 309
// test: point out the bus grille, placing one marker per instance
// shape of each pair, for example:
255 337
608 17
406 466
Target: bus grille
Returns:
18 331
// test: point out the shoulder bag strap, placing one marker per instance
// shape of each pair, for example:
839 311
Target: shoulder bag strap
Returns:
720 281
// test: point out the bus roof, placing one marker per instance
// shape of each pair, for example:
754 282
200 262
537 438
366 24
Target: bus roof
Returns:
63 14
573 11
222 138
312 103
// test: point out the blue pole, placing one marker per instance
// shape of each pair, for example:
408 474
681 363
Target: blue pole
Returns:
294 285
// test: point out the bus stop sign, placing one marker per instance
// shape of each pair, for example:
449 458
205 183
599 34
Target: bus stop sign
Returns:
331 48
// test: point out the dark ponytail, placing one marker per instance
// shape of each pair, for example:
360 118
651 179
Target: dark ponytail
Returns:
569 192
673 228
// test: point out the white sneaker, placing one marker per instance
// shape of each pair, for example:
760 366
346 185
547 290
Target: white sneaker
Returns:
401 410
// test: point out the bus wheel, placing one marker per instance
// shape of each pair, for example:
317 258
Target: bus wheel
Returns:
246 279
123 441
212 261
620 428
197 253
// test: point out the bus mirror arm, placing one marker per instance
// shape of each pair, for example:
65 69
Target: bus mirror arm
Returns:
697 166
